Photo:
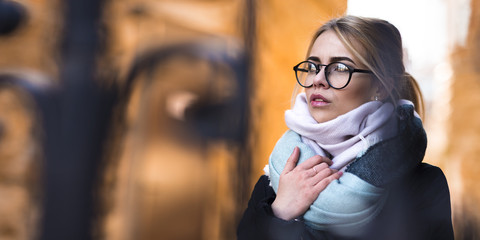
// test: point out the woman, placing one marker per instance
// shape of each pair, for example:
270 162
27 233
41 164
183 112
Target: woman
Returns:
355 122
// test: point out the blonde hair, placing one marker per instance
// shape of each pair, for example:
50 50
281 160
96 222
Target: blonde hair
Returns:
381 45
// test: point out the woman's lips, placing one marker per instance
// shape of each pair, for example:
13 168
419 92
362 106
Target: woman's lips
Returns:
317 100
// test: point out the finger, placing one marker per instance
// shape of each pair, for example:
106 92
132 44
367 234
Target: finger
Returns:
321 185
323 171
292 160
309 163
311 172
317 159
327 161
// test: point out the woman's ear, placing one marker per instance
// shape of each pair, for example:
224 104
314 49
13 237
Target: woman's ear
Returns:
380 92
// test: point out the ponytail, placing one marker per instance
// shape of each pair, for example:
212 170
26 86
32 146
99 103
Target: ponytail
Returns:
411 91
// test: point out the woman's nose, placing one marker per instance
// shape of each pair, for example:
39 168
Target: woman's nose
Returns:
320 80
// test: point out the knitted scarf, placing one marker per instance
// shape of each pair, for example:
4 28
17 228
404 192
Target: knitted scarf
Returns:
347 136
346 205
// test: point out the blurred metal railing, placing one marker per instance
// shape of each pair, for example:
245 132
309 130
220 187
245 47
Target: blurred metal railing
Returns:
75 115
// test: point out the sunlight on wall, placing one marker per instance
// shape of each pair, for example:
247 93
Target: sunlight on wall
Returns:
279 49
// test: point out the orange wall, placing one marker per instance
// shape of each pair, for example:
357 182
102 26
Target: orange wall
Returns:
284 29
460 157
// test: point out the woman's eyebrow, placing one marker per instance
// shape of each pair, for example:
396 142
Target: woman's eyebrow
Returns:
316 59
338 59
332 59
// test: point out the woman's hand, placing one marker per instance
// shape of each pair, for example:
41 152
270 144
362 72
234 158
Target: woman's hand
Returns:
299 186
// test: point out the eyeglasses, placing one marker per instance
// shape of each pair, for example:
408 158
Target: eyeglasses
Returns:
337 74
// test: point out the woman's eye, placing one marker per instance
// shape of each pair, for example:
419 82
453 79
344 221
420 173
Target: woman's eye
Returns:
340 68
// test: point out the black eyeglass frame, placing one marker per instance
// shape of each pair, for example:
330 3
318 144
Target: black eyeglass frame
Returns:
318 69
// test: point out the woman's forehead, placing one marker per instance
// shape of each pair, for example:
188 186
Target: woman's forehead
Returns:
328 46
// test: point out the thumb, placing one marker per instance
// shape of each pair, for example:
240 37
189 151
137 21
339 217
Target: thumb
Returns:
292 160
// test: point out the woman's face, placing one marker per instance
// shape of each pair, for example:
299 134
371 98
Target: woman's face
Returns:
326 103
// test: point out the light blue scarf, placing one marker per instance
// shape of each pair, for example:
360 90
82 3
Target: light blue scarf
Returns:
344 207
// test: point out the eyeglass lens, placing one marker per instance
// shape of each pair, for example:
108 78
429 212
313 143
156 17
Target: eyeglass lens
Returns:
337 74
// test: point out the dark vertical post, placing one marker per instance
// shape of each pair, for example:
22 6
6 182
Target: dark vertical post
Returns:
244 163
73 148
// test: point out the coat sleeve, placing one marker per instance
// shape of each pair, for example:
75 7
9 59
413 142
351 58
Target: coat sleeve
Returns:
435 205
418 208
258 221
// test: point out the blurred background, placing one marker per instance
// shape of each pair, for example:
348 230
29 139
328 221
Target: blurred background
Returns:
153 119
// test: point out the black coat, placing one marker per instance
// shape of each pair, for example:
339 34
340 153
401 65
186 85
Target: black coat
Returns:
418 208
